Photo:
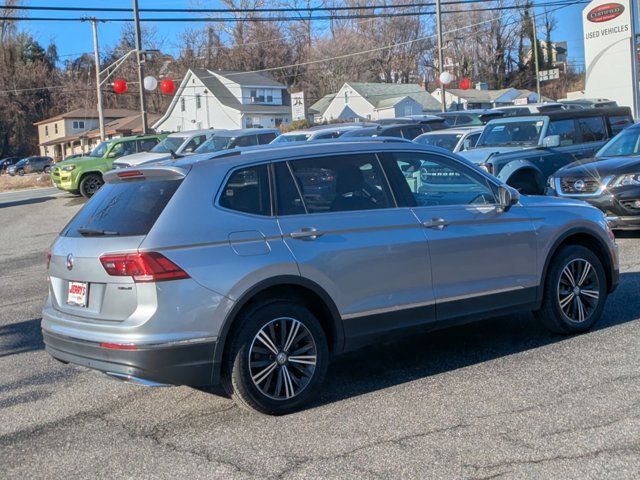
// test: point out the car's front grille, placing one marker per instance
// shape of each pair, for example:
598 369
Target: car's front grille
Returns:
579 185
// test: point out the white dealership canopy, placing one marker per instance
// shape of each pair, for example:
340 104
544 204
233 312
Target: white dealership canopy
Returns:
609 52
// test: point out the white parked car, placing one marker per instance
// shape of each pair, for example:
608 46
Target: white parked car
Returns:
180 143
308 135
453 139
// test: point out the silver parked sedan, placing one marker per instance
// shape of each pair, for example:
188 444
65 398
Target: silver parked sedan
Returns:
254 267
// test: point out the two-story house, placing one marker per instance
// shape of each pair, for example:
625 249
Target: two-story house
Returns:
226 100
66 134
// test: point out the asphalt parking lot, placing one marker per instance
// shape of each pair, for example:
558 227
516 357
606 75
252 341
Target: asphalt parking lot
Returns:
498 399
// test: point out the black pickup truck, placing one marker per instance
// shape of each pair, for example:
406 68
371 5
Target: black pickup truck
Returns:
524 151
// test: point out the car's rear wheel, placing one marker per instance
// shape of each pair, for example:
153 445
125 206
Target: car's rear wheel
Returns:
47 170
20 172
575 291
277 360
90 184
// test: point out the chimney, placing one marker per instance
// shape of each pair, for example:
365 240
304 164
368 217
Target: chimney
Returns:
482 86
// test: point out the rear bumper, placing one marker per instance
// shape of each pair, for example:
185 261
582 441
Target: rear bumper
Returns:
179 363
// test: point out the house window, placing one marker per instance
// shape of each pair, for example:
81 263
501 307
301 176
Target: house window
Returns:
182 107
55 128
269 96
254 95
46 130
78 124
198 103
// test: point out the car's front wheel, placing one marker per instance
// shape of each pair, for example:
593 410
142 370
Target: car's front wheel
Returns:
47 170
277 360
575 291
90 184
20 172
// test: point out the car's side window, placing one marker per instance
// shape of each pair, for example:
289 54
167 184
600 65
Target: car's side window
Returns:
618 123
341 183
566 129
392 132
147 144
264 138
592 129
247 190
471 140
195 142
412 132
288 200
246 141
421 179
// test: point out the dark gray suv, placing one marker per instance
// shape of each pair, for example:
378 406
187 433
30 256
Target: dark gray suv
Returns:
254 267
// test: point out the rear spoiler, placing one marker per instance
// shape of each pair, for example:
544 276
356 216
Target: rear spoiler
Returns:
146 173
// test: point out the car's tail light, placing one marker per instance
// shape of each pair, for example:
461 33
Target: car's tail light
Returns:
118 346
142 266
131 174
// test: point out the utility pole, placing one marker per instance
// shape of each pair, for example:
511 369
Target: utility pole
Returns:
96 56
139 54
440 55
535 53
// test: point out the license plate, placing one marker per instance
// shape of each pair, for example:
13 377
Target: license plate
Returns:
77 294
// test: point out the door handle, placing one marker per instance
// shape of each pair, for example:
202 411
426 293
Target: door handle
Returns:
435 223
306 233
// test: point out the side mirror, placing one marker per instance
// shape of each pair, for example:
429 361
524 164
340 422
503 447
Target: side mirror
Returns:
507 197
551 141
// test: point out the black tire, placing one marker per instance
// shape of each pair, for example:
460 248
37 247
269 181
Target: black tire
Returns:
20 172
525 184
558 288
90 184
248 358
47 170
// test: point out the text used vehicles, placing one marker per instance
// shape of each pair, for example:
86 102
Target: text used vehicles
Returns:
610 180
453 139
84 175
179 143
234 268
524 151
31 165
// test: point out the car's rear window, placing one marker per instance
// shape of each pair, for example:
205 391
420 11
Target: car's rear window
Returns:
122 209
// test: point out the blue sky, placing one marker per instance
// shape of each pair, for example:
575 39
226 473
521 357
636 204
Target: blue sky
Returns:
74 38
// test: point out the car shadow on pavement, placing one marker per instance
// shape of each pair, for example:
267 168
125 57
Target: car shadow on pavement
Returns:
20 337
27 201
423 355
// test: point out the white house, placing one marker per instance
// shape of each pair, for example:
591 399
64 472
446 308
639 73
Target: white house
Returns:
373 101
479 97
226 100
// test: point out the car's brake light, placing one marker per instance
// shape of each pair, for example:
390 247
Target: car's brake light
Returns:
131 174
118 346
142 266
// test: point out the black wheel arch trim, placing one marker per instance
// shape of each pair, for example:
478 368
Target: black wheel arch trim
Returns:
338 327
556 245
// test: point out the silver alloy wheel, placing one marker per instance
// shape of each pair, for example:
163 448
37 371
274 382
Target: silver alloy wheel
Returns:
282 358
578 290
93 185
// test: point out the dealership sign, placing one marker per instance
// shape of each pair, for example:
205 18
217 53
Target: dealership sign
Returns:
604 13
608 49
298 111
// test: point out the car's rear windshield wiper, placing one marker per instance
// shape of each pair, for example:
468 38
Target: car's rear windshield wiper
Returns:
94 232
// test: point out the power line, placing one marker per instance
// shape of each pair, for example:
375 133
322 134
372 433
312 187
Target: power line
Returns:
271 19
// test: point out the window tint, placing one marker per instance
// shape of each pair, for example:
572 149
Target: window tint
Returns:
264 138
412 132
248 191
127 208
121 149
195 142
442 140
391 132
618 123
245 141
471 140
463 120
341 183
592 129
287 198
566 129
426 180
147 144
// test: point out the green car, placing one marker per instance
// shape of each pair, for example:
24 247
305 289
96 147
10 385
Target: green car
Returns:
84 174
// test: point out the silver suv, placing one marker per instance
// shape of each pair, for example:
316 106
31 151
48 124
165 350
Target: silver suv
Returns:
254 267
